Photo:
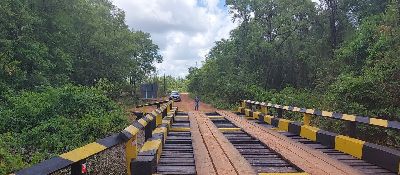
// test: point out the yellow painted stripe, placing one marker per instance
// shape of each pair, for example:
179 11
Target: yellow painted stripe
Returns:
182 117
143 122
268 119
150 117
283 124
349 145
378 122
255 115
327 114
247 112
283 174
83 152
162 130
310 111
179 129
349 117
132 129
151 145
309 132
228 129
216 117
296 109
166 121
159 130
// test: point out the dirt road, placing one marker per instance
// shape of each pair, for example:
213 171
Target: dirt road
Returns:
187 104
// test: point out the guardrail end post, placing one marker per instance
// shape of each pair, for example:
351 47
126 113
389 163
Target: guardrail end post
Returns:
351 129
306 119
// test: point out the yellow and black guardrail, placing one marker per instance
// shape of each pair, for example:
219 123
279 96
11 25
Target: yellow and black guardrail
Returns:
76 158
157 103
376 154
149 155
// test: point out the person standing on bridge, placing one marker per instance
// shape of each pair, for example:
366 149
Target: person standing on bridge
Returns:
196 103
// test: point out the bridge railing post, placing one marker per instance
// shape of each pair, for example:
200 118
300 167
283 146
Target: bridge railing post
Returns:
264 109
242 104
279 112
248 104
78 168
351 129
257 106
306 119
130 152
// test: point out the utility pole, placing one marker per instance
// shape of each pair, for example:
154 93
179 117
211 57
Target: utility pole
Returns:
165 86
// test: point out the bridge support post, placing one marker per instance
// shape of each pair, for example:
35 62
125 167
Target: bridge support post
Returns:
351 129
248 104
149 129
77 167
164 113
130 152
264 109
242 104
280 113
306 119
257 106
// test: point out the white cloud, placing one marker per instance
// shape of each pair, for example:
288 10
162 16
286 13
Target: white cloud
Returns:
185 30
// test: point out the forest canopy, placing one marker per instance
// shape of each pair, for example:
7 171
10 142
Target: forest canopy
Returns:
338 55
61 62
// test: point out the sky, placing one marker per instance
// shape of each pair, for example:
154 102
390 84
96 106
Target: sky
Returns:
184 30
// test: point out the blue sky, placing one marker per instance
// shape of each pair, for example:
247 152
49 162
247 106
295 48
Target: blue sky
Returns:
185 30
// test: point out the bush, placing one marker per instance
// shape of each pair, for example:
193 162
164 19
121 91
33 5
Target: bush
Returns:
53 121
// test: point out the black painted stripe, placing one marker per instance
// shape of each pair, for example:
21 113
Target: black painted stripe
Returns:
46 167
337 115
317 112
381 156
111 141
394 124
362 119
137 125
326 138
295 127
275 121
125 135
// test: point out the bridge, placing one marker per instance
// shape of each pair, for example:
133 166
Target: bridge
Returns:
255 139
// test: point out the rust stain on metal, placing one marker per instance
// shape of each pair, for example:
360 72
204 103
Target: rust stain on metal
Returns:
309 160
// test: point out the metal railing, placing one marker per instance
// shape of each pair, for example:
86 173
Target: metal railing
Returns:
75 159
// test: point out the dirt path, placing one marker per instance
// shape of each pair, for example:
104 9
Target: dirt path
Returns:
187 104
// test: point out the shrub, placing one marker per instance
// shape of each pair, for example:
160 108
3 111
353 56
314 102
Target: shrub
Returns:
53 121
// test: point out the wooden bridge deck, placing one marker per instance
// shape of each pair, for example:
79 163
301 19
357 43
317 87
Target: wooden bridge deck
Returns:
226 143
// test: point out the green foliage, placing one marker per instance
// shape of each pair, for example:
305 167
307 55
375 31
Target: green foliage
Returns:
38 125
171 84
57 42
283 52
